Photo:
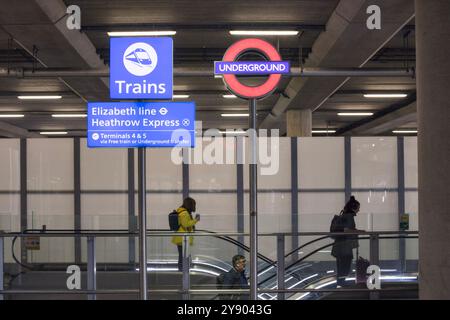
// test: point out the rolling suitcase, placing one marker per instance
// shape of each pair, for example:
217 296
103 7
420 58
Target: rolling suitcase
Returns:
361 268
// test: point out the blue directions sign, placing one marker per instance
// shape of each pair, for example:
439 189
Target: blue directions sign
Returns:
141 124
252 67
141 68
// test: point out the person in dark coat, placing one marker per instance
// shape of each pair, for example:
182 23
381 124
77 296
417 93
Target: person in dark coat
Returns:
235 279
343 245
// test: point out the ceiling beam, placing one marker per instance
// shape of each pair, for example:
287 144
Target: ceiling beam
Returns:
391 117
335 47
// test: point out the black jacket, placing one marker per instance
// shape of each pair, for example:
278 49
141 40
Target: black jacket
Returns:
234 280
344 245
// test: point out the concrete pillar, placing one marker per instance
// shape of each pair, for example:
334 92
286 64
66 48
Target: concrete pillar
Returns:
299 123
433 111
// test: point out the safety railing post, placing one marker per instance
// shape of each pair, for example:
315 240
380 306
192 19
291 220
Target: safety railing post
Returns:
91 268
280 265
374 259
1 267
186 266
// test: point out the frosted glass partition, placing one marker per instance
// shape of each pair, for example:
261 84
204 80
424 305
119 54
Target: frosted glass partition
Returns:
103 169
411 169
274 215
217 173
378 212
321 163
103 212
217 211
158 207
55 211
50 164
162 172
374 162
10 165
276 160
412 208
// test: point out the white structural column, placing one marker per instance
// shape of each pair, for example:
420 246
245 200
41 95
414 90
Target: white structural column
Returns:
299 123
433 106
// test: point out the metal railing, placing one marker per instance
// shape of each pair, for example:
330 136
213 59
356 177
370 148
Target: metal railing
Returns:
186 290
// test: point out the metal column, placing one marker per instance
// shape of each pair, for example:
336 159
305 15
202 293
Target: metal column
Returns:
401 199
280 265
91 268
1 267
253 202
186 268
142 223
131 208
77 196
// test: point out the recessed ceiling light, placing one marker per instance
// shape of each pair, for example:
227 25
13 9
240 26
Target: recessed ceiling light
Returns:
12 115
404 131
39 97
355 114
234 115
68 115
140 33
180 96
229 96
53 132
263 32
385 95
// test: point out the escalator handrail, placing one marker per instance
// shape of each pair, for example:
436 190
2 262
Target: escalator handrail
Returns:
330 244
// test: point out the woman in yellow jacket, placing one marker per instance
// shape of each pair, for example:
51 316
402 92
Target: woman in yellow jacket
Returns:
187 224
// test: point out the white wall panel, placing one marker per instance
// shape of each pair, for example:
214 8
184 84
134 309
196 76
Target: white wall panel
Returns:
10 164
103 169
50 164
56 212
411 162
321 163
162 172
374 162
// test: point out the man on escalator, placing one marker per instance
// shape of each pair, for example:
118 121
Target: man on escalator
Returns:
234 279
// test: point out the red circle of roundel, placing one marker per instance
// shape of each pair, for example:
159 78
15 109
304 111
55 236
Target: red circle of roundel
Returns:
231 80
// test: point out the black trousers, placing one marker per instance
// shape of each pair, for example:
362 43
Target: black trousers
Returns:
343 265
180 258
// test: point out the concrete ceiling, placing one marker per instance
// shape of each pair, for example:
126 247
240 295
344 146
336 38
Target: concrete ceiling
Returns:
332 34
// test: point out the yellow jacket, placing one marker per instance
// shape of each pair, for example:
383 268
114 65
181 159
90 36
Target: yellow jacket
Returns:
186 225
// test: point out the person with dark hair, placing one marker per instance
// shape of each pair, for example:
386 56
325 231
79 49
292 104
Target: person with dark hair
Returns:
343 245
187 224
234 279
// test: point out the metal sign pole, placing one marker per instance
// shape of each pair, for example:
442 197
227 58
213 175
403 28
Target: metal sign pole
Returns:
142 223
253 202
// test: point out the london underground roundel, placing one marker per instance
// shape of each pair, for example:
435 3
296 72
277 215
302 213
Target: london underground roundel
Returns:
245 91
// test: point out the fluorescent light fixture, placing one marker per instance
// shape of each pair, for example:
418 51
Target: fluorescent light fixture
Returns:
180 96
53 132
140 33
385 95
234 115
12 115
229 96
69 115
355 114
39 97
323 131
263 32
404 131
218 76
233 132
